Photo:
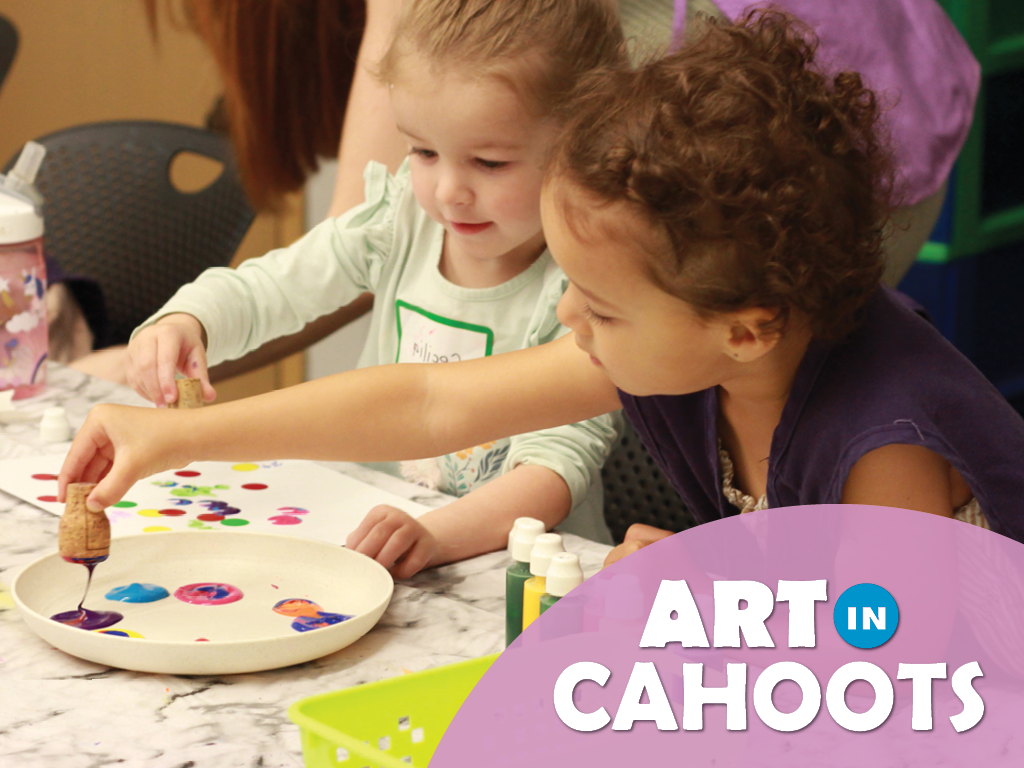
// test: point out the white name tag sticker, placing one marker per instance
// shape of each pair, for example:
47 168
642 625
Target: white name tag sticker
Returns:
424 337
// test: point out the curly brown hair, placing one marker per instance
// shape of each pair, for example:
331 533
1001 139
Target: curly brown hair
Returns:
767 183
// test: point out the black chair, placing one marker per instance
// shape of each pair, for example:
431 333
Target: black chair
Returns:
113 215
636 490
8 46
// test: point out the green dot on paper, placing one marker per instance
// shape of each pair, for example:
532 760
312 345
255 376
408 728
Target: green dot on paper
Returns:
234 522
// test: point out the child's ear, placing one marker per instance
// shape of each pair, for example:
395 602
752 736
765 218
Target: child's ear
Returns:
747 339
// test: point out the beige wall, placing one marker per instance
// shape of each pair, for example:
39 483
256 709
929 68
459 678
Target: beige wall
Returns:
82 61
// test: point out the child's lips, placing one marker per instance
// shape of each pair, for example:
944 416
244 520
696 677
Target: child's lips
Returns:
464 228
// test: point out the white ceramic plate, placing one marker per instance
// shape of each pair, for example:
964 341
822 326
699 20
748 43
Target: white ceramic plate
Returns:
243 636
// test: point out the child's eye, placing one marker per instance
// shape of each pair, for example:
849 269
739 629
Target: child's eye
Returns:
426 154
593 317
491 165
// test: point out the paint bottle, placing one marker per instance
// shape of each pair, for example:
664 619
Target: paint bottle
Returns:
597 592
546 546
624 607
524 532
564 575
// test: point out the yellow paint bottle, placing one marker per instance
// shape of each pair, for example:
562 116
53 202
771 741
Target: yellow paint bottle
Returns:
546 545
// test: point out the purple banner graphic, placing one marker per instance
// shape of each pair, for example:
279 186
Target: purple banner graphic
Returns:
809 636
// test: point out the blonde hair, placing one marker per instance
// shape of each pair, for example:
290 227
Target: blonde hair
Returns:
539 48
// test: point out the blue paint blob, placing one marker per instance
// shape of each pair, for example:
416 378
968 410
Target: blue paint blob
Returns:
137 593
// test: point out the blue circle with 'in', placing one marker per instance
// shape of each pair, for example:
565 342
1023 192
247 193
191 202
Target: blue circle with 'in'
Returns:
866 616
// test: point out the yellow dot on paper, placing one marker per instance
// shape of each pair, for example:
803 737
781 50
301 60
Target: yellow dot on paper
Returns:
155 529
149 512
245 467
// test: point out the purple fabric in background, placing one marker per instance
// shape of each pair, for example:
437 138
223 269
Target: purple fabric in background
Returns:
959 591
907 51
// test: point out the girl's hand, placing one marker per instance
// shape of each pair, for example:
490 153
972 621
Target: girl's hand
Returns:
637 537
174 343
395 540
119 445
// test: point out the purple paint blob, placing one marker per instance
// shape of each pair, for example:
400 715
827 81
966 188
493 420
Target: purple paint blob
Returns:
307 614
208 593
82 617
137 593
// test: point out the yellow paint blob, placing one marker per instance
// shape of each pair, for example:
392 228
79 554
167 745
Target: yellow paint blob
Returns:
155 529
245 467
149 512
119 632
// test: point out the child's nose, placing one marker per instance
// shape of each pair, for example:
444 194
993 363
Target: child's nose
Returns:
452 189
568 311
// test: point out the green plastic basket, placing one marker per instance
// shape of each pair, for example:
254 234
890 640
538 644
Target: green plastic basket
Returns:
393 723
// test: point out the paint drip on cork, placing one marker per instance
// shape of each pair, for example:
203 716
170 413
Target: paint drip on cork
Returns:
190 394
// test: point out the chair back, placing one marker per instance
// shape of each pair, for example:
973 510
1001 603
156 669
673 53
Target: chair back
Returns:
8 46
637 491
112 213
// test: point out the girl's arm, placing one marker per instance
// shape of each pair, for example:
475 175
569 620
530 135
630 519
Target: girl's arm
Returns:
903 476
369 132
383 413
477 523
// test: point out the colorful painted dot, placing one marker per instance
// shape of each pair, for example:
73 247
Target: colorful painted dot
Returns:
293 510
187 473
172 512
48 498
208 593
120 633
245 467
210 518
285 520
149 512
155 529
198 526
234 522
137 593
255 487
201 640
181 502
124 504
44 477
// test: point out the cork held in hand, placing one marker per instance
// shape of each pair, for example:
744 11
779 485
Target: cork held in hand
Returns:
190 394
84 536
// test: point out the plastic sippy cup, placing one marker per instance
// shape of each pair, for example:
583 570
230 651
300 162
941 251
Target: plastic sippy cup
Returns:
23 325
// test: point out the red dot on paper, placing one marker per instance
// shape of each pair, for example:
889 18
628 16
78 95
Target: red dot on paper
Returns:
48 498
187 473
285 520
172 512
254 487
210 518
44 477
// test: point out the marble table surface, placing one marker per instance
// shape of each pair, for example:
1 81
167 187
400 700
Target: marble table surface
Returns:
58 710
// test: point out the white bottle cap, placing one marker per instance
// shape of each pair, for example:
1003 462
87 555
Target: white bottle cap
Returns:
522 543
20 217
524 524
625 599
547 544
564 574
55 427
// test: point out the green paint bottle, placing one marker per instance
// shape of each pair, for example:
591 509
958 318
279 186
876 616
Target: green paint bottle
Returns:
525 531
564 574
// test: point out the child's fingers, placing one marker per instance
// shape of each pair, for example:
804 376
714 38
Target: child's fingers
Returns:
398 544
367 524
142 367
380 532
168 351
415 560
624 549
647 533
90 442
195 368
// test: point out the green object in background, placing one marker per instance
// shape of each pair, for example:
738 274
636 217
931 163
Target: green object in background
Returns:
547 600
515 579
989 212
401 717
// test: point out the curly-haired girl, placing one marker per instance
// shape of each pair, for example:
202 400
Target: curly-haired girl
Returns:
719 214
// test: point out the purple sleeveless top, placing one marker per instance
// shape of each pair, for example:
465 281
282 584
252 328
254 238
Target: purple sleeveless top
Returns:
911 55
894 380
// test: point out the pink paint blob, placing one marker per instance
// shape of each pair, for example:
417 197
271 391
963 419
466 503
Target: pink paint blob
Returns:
187 473
51 499
293 510
255 487
208 593
44 477
285 520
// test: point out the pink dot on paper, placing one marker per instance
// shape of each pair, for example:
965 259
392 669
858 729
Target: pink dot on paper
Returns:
210 518
293 510
187 473
172 512
44 477
48 498
285 520
254 487
201 640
